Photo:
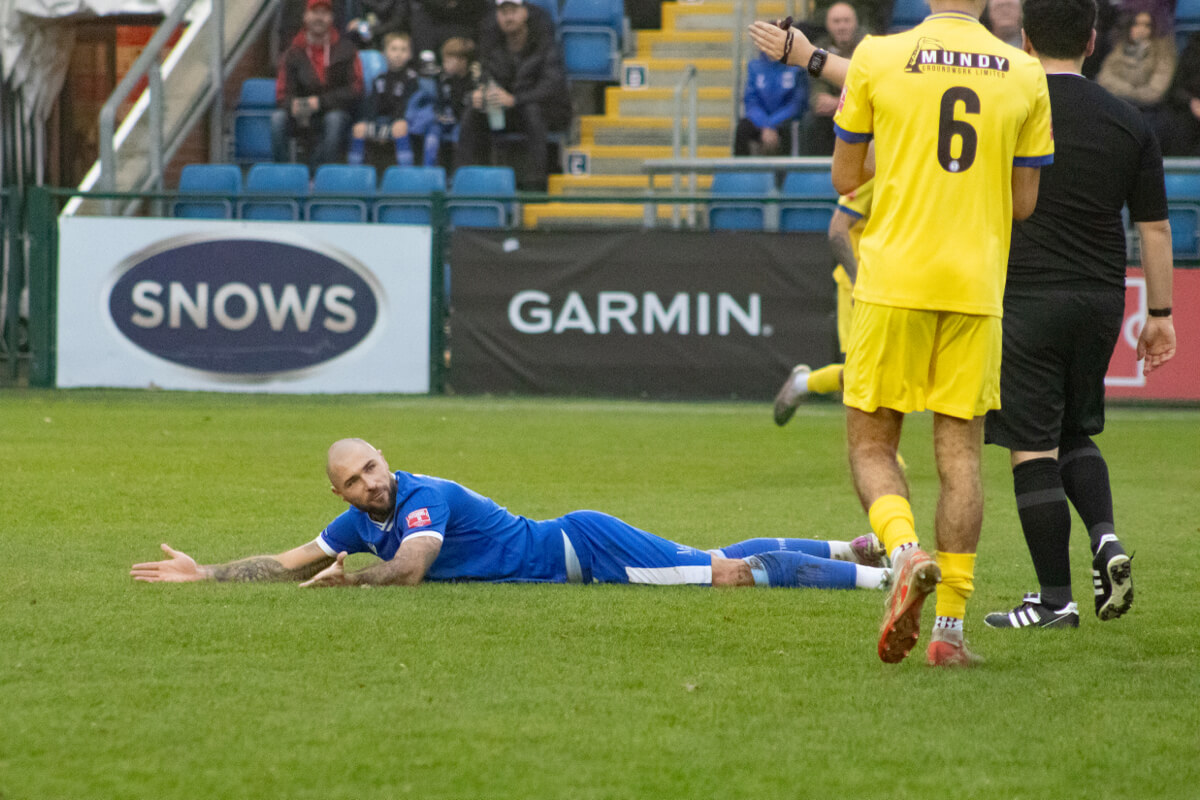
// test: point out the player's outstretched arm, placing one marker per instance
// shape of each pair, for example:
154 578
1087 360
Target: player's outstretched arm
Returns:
407 567
771 39
294 565
1156 345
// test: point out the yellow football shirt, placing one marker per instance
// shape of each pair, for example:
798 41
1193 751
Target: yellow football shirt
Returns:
857 204
952 109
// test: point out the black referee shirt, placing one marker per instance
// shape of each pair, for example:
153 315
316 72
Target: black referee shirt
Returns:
1105 155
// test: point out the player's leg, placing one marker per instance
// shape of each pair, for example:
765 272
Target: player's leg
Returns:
1082 466
966 386
865 550
791 569
1038 346
887 369
828 379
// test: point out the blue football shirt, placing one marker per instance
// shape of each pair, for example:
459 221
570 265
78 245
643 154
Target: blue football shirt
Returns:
481 540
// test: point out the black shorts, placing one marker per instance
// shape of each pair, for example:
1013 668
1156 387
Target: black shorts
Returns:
1057 346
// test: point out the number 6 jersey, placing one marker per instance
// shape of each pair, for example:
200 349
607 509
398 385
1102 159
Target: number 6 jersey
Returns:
952 110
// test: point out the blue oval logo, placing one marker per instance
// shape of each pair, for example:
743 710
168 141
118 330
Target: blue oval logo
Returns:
243 306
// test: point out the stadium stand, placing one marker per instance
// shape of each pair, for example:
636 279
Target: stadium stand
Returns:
404 194
289 182
907 14
743 215
499 182
1183 212
217 179
591 34
252 121
357 180
809 201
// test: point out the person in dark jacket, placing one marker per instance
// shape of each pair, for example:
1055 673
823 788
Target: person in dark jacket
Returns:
319 83
374 20
432 22
524 90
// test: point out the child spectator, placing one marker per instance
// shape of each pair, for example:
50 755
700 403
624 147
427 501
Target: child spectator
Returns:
395 95
775 93
455 82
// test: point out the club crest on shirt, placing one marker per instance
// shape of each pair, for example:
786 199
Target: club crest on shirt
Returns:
931 56
418 518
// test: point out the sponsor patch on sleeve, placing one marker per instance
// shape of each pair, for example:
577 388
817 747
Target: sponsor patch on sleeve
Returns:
418 519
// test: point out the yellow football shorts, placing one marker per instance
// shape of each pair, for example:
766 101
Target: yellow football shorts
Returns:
911 360
845 306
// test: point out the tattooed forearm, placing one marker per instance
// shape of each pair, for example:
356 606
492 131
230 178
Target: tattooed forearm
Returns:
397 572
263 568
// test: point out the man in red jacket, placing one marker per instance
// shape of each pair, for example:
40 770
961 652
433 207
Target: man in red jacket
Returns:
319 84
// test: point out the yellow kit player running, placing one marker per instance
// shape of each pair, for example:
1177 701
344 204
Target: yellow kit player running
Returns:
961 126
845 229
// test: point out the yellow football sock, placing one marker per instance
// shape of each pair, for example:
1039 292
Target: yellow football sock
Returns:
892 520
958 582
826 380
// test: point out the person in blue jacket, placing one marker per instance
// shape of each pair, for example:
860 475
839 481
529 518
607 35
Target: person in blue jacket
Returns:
775 95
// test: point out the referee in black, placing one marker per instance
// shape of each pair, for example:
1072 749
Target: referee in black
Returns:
1064 306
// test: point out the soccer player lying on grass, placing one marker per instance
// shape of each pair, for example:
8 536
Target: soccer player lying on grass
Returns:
428 528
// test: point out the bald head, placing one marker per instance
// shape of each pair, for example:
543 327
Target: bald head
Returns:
359 475
346 453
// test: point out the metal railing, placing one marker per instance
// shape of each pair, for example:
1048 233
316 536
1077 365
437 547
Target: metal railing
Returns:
163 144
688 81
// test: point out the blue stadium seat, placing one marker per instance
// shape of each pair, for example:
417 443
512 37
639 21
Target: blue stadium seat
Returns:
591 38
334 188
288 181
1187 15
404 194
742 215
252 121
809 201
490 182
224 179
1183 212
908 13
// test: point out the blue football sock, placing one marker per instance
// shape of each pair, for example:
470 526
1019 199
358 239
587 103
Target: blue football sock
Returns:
752 547
358 151
404 155
792 569
430 154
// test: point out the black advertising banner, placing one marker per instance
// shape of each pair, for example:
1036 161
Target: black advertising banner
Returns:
665 314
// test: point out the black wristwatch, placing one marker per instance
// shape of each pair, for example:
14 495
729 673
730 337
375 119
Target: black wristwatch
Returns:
1159 312
817 62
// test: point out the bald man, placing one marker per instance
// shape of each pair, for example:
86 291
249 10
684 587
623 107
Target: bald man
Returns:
424 528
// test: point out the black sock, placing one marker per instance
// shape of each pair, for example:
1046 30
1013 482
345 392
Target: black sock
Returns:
1046 522
1085 480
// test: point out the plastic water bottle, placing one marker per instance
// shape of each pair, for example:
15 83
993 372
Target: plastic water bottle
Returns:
495 113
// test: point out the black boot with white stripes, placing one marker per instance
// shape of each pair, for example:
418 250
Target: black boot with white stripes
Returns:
1032 614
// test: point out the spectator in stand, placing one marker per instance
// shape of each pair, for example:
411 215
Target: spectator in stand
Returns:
432 22
1180 131
450 90
1140 66
1004 21
816 128
524 90
319 83
394 100
290 21
775 94
375 20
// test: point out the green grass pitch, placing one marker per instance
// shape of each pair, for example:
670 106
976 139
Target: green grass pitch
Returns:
111 689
